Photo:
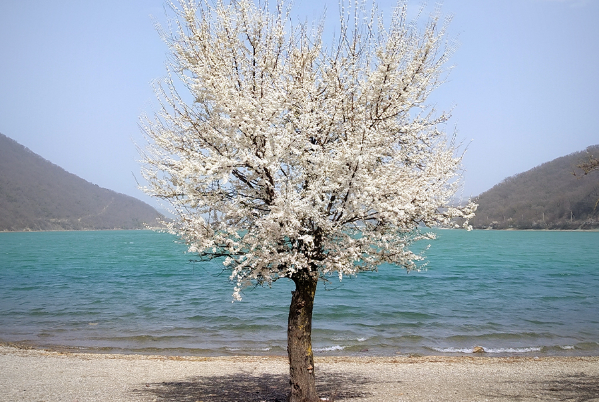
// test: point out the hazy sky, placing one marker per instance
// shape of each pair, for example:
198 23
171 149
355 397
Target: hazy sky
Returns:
75 76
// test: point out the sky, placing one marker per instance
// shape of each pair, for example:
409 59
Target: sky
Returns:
76 75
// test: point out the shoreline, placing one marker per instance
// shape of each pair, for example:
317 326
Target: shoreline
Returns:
34 374
474 352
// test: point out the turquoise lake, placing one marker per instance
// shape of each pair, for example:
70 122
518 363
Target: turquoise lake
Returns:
511 292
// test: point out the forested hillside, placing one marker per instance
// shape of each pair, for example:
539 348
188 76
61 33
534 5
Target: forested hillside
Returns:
549 196
35 194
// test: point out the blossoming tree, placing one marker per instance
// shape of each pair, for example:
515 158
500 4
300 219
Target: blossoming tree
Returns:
291 159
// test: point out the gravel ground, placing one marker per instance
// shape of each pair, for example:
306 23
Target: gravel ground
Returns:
38 375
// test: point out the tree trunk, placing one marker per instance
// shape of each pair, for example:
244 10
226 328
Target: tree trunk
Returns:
299 338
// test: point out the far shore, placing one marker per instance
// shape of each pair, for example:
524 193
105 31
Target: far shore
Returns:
158 229
79 230
33 374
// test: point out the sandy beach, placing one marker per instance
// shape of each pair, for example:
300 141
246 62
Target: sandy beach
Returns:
41 375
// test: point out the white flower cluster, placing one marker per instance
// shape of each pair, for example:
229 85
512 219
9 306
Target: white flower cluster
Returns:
292 156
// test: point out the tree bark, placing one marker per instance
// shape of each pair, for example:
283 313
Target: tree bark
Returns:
299 338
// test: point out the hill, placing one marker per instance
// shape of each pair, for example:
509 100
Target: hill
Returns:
35 194
548 196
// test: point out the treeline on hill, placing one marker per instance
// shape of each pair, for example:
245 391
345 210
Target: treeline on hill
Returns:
554 195
35 194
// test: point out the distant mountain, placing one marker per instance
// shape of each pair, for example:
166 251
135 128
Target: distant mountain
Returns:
548 196
35 194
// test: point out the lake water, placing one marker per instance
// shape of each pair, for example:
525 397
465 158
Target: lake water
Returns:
511 292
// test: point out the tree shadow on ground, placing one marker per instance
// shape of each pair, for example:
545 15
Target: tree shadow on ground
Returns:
575 388
250 388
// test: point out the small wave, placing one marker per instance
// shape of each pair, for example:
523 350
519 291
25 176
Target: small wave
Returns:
488 350
513 350
329 349
248 349
587 346
345 339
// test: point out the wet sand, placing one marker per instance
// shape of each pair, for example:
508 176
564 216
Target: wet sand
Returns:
40 375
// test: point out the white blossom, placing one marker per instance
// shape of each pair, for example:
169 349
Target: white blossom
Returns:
285 154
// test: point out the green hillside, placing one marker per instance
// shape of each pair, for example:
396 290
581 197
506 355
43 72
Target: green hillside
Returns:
548 196
35 194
